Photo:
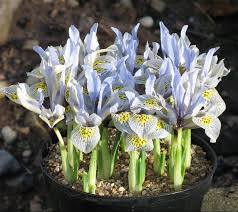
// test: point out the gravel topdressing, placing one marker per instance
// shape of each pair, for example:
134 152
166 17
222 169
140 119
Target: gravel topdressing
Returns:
117 186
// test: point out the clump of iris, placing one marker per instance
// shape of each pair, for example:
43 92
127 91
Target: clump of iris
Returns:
82 92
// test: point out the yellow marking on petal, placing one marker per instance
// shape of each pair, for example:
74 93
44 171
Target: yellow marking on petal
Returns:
206 120
117 88
123 117
14 96
61 60
96 66
182 69
67 79
86 132
98 69
137 141
208 94
139 61
160 125
68 109
67 93
51 121
122 97
143 79
98 62
151 103
85 91
143 119
167 85
41 85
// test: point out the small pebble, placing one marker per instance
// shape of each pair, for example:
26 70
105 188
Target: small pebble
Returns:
147 21
9 135
28 45
73 3
27 153
158 5
121 189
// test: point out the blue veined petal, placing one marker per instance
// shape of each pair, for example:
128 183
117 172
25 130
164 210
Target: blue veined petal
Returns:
27 99
188 57
119 42
162 130
93 84
142 124
125 75
135 31
132 48
41 52
146 103
60 90
11 93
91 41
208 61
83 118
151 54
76 97
51 81
52 117
214 104
183 32
211 124
169 44
163 86
120 121
53 58
149 85
74 34
70 115
85 139
36 73
40 85
135 142
154 65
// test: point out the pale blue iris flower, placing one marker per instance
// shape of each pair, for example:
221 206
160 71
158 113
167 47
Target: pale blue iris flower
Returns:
127 45
178 49
91 106
195 105
146 95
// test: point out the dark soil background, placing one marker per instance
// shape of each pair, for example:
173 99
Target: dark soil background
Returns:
45 22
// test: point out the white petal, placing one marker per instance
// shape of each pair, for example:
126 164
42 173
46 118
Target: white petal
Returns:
85 138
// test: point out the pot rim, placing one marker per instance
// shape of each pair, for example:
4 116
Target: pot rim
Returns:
206 147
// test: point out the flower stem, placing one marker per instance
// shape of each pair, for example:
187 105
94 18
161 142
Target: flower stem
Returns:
92 173
187 148
63 151
115 152
141 168
132 171
70 146
67 170
178 178
104 156
85 182
156 154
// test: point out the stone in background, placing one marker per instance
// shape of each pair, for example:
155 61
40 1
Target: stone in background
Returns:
7 10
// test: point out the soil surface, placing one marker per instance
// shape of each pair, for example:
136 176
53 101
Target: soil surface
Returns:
45 22
118 185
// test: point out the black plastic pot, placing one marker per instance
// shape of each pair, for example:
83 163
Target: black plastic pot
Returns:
65 199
